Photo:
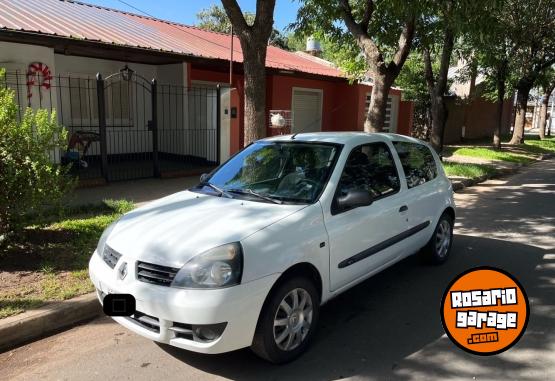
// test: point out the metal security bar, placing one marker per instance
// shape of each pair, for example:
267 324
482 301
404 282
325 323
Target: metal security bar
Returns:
124 126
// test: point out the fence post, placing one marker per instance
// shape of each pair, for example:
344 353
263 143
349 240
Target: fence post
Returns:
154 125
218 123
102 126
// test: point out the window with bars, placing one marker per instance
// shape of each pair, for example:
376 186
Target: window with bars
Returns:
387 123
83 100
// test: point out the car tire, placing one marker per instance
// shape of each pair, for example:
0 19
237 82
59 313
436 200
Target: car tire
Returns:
290 337
438 248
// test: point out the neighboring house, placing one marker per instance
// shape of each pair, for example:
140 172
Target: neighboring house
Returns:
469 115
130 127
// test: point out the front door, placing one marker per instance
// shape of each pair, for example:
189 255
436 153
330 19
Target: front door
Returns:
363 240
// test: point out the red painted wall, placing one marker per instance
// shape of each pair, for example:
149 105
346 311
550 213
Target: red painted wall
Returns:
405 118
342 104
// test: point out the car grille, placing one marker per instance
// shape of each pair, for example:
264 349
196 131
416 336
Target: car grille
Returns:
155 274
182 331
146 321
110 256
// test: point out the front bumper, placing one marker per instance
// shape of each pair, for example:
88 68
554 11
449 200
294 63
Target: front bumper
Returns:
173 308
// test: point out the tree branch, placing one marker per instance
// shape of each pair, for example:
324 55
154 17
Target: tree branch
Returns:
264 14
363 40
405 43
428 70
235 15
448 43
368 11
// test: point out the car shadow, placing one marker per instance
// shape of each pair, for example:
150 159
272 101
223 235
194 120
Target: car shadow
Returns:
389 326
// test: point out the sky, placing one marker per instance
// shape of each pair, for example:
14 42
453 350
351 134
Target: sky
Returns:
184 11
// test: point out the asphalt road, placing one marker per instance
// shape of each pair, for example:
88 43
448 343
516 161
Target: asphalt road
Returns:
389 327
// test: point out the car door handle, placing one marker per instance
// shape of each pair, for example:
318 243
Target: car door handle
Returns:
403 208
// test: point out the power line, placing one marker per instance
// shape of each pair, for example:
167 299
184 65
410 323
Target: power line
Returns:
174 25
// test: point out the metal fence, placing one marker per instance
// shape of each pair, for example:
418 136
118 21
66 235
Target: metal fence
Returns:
126 127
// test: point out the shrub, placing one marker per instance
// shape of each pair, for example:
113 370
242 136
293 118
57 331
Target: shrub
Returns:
30 181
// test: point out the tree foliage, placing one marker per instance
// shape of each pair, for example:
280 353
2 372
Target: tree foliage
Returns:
30 180
381 32
215 19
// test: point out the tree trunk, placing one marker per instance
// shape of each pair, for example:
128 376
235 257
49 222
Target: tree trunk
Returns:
501 78
375 118
439 118
254 43
543 115
255 97
521 106
437 88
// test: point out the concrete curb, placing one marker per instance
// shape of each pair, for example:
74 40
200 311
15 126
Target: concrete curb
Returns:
50 318
459 185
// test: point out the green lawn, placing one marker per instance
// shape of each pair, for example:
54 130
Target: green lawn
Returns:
537 146
468 170
50 261
524 153
491 154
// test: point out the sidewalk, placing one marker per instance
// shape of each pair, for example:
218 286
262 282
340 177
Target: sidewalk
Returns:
146 190
138 191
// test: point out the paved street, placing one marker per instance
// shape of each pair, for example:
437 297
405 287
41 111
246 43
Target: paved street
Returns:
386 328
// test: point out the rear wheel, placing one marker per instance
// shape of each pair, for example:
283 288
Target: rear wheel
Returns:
288 321
438 248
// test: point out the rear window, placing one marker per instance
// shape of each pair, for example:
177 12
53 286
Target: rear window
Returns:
417 161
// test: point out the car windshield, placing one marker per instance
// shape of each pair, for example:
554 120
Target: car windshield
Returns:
275 172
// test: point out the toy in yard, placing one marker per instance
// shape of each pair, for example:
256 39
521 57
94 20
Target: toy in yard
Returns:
79 144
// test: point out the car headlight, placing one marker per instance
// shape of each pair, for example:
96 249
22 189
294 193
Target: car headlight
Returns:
104 238
219 267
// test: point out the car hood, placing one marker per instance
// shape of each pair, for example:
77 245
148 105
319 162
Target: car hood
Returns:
173 229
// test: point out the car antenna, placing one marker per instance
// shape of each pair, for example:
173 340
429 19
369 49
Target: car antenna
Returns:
293 136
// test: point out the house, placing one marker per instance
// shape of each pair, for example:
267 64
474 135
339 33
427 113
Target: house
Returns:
469 114
166 101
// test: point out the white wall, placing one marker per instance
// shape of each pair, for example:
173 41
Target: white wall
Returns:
17 57
178 114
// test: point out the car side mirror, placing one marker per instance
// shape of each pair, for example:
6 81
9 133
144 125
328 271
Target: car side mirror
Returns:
353 199
204 177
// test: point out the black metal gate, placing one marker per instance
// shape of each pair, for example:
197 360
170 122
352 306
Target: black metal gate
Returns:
127 124
152 130
126 127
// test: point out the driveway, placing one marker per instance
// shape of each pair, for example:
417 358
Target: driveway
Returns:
388 327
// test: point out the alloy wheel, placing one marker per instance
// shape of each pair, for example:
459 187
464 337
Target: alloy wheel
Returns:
293 319
443 238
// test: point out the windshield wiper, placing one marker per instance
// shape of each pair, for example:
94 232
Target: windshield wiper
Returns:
220 191
253 193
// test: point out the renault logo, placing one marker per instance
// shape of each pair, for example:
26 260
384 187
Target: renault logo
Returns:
122 272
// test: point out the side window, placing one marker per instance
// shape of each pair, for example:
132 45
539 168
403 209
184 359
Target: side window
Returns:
418 163
370 167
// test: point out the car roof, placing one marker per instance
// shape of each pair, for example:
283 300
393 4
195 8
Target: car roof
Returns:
346 138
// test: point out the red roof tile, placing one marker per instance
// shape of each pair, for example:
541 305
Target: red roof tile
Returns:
81 21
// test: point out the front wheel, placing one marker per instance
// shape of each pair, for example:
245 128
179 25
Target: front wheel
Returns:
438 247
287 322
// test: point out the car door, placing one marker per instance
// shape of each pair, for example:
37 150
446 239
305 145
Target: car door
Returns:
362 239
424 190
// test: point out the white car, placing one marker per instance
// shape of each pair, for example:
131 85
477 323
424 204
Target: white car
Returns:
247 257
